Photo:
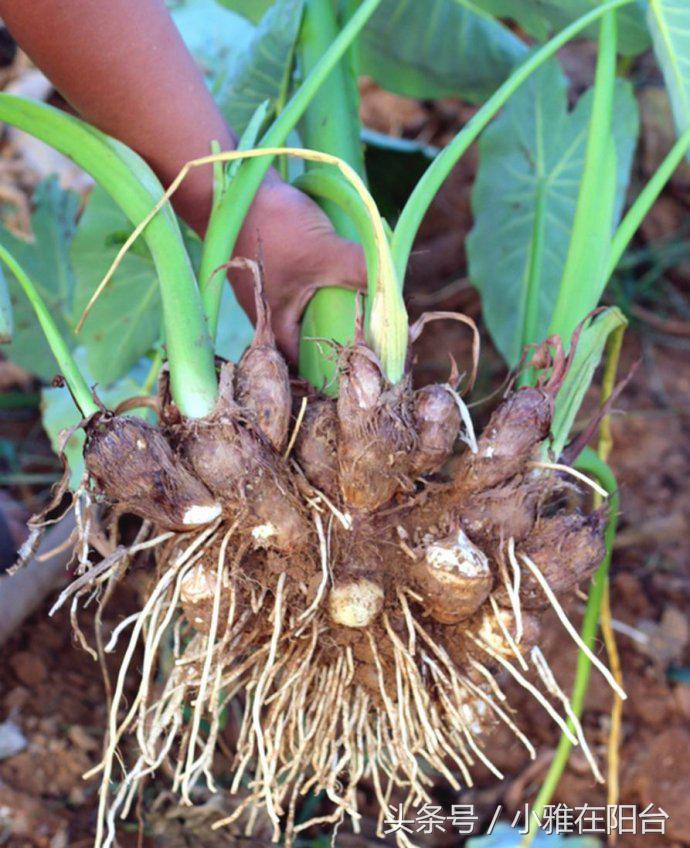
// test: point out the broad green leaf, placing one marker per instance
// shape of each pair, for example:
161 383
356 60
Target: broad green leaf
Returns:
59 412
541 18
505 836
587 357
6 320
46 259
214 35
524 201
262 68
125 321
669 23
438 48
253 10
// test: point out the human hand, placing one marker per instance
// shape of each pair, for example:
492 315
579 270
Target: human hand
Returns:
300 253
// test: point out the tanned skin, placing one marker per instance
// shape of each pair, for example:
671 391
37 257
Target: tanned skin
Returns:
124 68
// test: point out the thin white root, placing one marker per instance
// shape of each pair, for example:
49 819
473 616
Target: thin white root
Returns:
514 590
525 684
188 776
575 636
325 571
507 635
573 472
296 428
547 675
309 721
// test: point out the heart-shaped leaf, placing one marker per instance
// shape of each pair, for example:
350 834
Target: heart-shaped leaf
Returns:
669 23
125 321
524 201
46 259
541 18
439 48
261 71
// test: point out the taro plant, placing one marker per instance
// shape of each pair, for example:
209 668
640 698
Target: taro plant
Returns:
316 559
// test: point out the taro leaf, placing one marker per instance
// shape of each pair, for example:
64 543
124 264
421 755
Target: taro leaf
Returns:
6 321
438 48
253 10
505 836
46 259
59 412
541 18
524 200
126 319
214 35
125 322
669 23
261 71
587 357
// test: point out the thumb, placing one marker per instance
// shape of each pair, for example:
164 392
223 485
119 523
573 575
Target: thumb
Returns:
340 263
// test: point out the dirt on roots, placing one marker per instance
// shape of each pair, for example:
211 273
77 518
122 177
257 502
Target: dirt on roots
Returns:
320 567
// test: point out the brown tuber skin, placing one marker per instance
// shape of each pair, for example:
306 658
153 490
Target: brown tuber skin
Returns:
132 462
263 390
242 469
376 434
454 578
360 451
515 429
507 511
378 583
567 548
263 382
316 445
437 421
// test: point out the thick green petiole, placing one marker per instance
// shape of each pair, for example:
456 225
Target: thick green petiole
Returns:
63 356
330 123
229 214
387 325
135 188
426 189
583 277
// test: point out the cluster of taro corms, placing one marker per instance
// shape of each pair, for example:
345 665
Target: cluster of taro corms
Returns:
360 586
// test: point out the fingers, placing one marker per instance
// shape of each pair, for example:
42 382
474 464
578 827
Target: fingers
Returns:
340 263
335 262
287 337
